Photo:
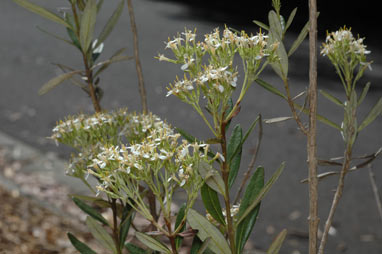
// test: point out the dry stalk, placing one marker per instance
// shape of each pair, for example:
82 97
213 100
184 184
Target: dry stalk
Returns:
311 142
142 90
375 191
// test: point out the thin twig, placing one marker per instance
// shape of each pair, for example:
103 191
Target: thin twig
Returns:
311 142
293 109
252 163
336 199
142 90
375 190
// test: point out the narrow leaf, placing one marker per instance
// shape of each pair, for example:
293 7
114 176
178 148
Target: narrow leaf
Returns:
277 242
275 25
261 24
180 218
80 246
99 5
374 112
277 119
253 189
186 135
300 38
290 19
55 36
270 88
100 234
90 211
127 217
332 98
234 151
56 81
87 25
42 12
152 243
204 245
205 229
262 193
364 93
228 110
212 204
211 177
133 249
110 23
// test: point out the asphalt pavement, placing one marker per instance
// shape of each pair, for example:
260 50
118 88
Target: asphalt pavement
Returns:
26 55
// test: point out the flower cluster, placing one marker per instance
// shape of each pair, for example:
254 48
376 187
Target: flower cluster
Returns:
82 131
218 78
160 161
343 48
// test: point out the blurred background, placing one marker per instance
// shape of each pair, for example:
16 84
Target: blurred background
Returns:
26 63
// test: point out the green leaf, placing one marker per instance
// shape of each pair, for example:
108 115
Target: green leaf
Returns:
290 19
261 24
275 26
110 23
152 243
100 234
80 246
245 227
234 151
332 98
74 38
270 88
186 135
90 211
180 218
212 204
56 81
211 177
204 245
364 93
205 229
262 193
300 38
276 35
133 249
374 112
87 25
127 217
42 12
113 59
55 36
197 246
277 242
99 5
228 110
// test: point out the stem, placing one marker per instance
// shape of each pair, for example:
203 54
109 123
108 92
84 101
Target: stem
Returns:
115 226
142 90
89 79
293 109
171 237
225 175
88 71
251 164
375 190
337 197
311 142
